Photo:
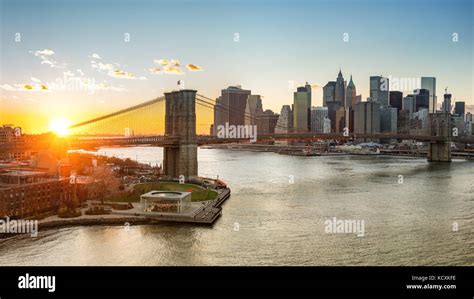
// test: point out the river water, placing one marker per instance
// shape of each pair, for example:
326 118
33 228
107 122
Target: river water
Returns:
414 213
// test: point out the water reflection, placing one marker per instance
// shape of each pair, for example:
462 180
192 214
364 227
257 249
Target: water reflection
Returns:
281 221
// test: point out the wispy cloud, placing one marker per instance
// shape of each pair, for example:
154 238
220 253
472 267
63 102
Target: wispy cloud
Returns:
155 71
69 82
118 73
102 66
25 87
46 57
95 56
114 71
172 70
161 61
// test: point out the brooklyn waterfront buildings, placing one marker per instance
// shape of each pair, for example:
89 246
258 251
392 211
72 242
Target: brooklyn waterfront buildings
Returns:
30 192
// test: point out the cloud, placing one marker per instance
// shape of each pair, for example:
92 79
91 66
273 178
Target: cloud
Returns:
46 58
193 67
8 87
155 71
45 52
69 82
95 56
102 66
172 70
25 87
114 71
173 67
162 61
118 73
68 74
106 87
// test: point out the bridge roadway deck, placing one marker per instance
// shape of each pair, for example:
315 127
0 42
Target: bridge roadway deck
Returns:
85 142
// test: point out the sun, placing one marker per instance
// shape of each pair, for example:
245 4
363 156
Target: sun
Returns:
59 126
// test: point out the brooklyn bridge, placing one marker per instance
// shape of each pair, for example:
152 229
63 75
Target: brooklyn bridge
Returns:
137 125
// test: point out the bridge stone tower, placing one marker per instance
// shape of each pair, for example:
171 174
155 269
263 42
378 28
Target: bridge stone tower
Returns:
180 155
440 131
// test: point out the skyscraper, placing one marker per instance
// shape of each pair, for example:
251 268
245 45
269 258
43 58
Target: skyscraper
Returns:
446 107
469 117
329 93
340 89
422 99
388 119
329 100
318 116
235 99
379 88
350 99
460 108
358 99
252 108
302 109
396 99
340 119
419 123
266 122
408 105
367 118
220 115
285 120
429 83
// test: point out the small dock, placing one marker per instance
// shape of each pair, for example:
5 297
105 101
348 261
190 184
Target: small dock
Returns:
205 213
200 213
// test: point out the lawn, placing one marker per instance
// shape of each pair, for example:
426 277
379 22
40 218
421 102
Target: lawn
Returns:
198 193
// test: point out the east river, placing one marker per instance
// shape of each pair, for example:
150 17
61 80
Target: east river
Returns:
415 213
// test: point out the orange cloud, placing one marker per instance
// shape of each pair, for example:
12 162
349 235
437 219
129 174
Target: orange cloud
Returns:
193 67
173 70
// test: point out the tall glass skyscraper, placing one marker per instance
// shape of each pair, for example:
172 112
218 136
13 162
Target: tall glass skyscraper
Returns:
302 109
379 88
429 83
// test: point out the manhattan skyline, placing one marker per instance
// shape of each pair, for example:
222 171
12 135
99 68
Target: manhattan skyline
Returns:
269 48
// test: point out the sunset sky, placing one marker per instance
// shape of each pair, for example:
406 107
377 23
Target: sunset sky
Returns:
132 52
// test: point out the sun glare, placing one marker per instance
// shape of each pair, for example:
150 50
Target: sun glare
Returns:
59 126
